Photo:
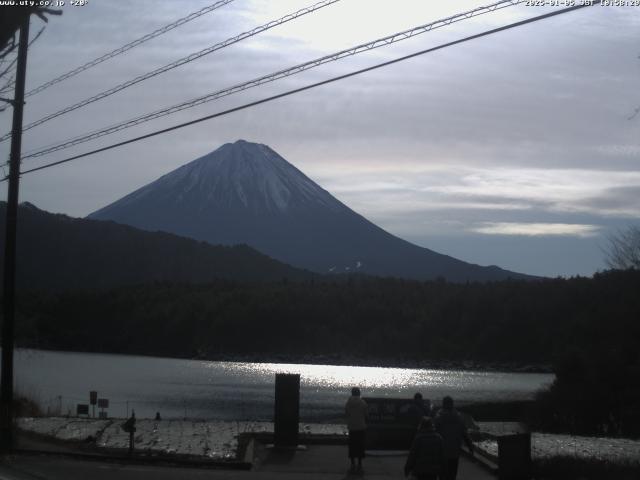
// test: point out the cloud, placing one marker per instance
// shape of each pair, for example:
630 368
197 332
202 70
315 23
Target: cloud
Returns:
620 150
615 201
528 126
454 187
536 229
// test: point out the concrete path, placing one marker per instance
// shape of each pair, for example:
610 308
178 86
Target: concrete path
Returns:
331 462
317 462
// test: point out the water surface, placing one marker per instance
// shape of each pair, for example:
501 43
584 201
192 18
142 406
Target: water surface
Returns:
238 391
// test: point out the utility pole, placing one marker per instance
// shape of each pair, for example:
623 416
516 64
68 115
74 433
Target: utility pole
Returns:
9 286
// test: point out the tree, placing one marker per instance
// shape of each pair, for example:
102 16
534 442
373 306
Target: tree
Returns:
623 250
11 17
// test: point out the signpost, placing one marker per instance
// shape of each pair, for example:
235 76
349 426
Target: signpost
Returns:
93 399
130 427
102 404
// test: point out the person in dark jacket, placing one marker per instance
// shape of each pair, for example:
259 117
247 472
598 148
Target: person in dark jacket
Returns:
419 408
450 425
426 460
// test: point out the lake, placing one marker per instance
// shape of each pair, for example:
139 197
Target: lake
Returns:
58 381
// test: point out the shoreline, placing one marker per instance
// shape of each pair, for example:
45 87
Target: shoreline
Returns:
335 359
221 440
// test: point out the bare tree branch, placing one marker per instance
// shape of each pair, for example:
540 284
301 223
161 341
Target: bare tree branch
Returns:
8 86
9 67
41 11
10 47
623 250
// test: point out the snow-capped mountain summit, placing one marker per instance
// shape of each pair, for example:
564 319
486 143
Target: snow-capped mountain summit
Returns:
243 175
245 193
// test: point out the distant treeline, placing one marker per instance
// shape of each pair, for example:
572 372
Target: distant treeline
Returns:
508 321
588 327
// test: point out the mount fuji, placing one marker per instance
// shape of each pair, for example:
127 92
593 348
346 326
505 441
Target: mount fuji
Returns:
245 193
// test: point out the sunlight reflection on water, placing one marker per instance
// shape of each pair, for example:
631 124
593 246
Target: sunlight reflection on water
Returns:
332 376
239 390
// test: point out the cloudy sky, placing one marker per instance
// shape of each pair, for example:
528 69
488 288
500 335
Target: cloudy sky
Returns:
519 149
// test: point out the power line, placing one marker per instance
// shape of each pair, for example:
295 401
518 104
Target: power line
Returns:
8 86
10 67
11 82
381 42
178 63
314 85
129 46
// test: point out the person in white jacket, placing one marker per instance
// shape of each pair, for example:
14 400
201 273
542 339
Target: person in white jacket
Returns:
356 411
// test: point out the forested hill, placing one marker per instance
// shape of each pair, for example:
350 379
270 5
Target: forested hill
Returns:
246 193
376 320
57 252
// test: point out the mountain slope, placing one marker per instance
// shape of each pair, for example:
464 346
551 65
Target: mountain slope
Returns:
59 252
247 193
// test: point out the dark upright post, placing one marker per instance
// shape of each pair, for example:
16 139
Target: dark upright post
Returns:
131 433
514 457
130 427
93 399
287 410
9 288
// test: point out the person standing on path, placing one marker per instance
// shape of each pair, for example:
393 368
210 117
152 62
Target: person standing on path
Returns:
450 425
419 408
356 411
426 460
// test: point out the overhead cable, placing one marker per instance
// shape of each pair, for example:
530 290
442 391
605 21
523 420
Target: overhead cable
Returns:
313 85
11 81
177 63
128 46
381 42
